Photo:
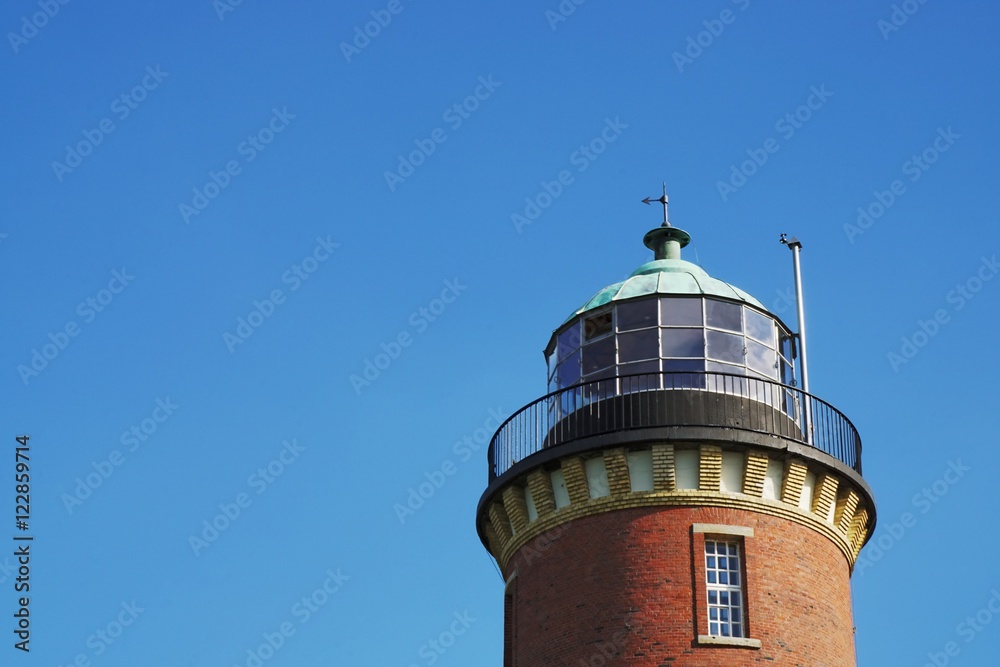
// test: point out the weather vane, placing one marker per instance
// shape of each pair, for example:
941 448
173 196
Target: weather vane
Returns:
663 200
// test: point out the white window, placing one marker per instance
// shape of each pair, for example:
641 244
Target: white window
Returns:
725 589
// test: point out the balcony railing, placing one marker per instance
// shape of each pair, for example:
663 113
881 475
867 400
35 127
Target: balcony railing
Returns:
673 399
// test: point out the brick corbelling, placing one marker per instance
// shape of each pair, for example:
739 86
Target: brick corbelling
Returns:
501 523
710 468
754 474
663 468
825 495
851 525
541 491
623 589
795 476
618 477
517 507
576 479
847 505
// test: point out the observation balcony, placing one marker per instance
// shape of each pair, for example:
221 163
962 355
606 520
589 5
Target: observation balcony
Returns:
675 406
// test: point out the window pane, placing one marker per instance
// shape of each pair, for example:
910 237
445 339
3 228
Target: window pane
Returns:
724 346
760 327
568 372
761 359
638 345
681 312
599 354
639 367
683 343
724 315
598 325
637 314
568 341
711 576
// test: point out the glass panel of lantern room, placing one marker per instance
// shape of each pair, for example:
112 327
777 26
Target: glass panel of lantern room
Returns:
723 315
680 311
762 359
759 327
639 376
638 345
684 373
598 355
683 343
596 326
638 314
725 346
568 341
568 371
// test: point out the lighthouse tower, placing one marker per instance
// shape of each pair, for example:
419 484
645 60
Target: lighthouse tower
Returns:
677 498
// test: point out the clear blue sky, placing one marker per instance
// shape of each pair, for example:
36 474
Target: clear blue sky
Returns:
170 168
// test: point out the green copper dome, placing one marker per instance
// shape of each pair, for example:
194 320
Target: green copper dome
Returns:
666 276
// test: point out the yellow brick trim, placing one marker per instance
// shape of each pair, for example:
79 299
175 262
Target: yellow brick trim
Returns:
795 476
517 507
541 492
710 468
618 478
847 503
688 498
754 472
825 495
859 529
501 524
492 539
663 468
576 480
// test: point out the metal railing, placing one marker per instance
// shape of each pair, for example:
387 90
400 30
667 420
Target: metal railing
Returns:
673 399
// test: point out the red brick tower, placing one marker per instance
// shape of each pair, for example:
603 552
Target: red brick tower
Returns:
676 499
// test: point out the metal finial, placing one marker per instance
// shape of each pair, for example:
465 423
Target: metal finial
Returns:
663 200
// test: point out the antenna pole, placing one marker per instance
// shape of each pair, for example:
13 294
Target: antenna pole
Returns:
796 247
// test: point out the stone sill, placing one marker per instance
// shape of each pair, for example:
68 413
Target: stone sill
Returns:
741 642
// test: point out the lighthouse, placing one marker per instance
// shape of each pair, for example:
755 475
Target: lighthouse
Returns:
678 497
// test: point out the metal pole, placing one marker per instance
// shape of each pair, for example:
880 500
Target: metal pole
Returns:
796 247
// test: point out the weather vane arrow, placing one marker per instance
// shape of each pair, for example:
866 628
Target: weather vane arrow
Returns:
663 200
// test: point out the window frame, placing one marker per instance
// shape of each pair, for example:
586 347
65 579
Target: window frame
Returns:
740 536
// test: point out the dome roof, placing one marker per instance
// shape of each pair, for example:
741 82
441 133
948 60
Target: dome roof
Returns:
663 277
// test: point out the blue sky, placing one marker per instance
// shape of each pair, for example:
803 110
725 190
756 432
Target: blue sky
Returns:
216 214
